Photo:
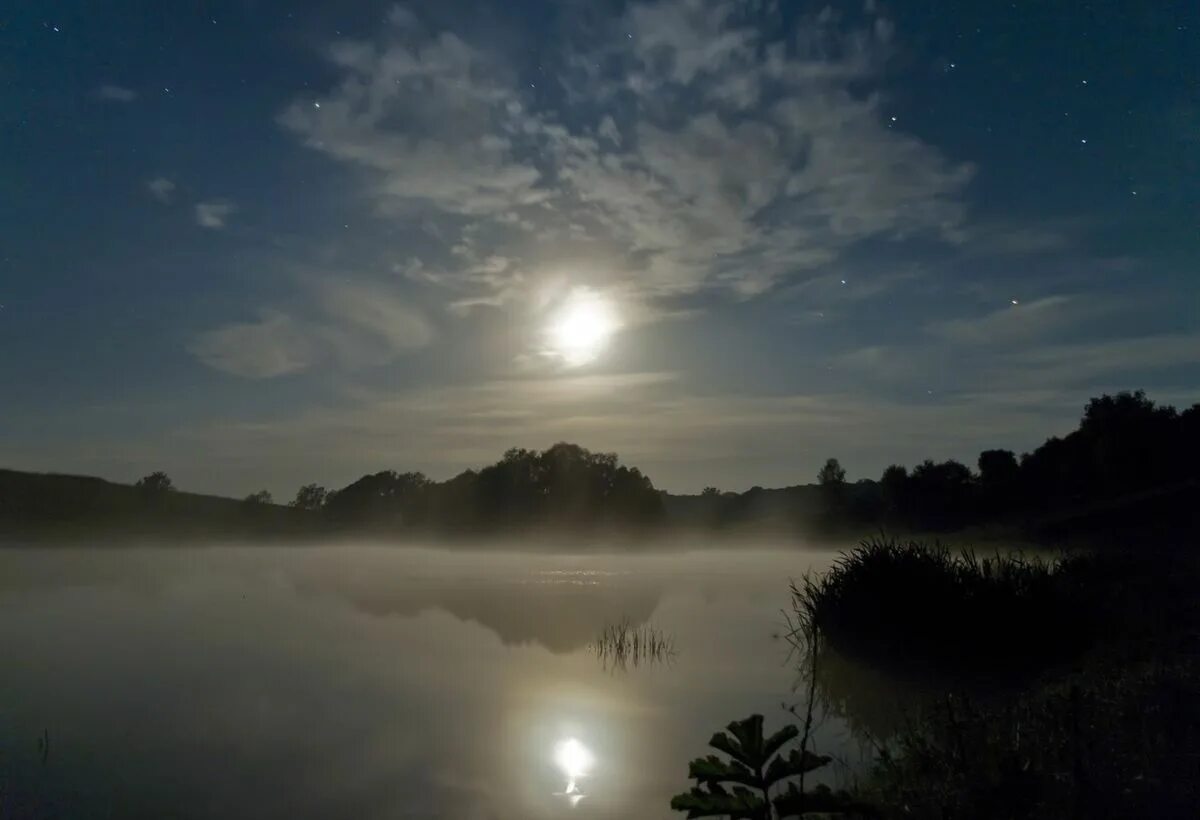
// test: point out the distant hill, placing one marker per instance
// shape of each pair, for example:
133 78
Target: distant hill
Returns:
55 506
52 505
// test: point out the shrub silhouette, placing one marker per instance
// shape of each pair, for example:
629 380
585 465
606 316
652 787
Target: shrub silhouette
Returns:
897 603
157 483
742 786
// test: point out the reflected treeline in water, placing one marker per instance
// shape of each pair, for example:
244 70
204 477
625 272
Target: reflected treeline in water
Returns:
556 609
624 644
304 683
977 698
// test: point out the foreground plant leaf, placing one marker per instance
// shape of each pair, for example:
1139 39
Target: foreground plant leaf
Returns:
755 769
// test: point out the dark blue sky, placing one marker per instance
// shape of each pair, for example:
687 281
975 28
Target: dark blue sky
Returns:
260 244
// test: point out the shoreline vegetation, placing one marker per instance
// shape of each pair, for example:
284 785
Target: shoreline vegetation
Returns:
624 644
996 687
1129 474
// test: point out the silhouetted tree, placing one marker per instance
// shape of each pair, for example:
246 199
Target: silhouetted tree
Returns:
309 497
260 498
1129 441
565 485
894 485
999 480
941 494
156 483
385 498
1125 443
710 492
864 501
831 473
1189 443
832 479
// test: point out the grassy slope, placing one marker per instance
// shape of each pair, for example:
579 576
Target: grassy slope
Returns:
49 505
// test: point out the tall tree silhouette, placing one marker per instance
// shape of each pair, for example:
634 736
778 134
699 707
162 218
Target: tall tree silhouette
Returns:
309 497
157 483
832 479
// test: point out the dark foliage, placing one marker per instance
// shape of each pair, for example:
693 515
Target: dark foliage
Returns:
832 480
1116 742
1103 478
755 782
1131 472
565 486
310 497
260 498
1004 688
957 614
156 483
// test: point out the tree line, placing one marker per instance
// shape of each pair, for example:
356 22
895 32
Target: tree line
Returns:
563 486
1125 448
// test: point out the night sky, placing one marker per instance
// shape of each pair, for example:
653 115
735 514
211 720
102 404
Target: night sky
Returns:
258 244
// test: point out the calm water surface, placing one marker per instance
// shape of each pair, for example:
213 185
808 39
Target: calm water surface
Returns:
374 682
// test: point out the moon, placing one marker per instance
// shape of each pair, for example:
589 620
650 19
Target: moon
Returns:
582 327
573 758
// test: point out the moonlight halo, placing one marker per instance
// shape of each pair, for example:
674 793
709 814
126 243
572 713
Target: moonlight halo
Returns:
581 327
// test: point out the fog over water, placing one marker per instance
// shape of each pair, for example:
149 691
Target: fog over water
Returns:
358 681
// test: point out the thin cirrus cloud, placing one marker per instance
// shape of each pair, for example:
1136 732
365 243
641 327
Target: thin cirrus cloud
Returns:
214 214
351 324
1022 321
274 345
115 93
162 189
715 156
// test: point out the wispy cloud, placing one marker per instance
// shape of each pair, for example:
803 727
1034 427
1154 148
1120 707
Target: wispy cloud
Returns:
214 214
161 189
350 323
709 155
1111 359
971 364
274 345
1023 321
116 93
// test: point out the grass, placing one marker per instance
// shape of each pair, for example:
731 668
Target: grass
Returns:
1117 742
1090 699
925 610
623 644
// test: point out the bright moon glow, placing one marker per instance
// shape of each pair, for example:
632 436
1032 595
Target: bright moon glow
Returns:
573 758
582 328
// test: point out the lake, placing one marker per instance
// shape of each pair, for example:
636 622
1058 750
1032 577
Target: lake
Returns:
371 682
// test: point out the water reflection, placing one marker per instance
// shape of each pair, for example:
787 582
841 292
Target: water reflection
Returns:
361 682
575 760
